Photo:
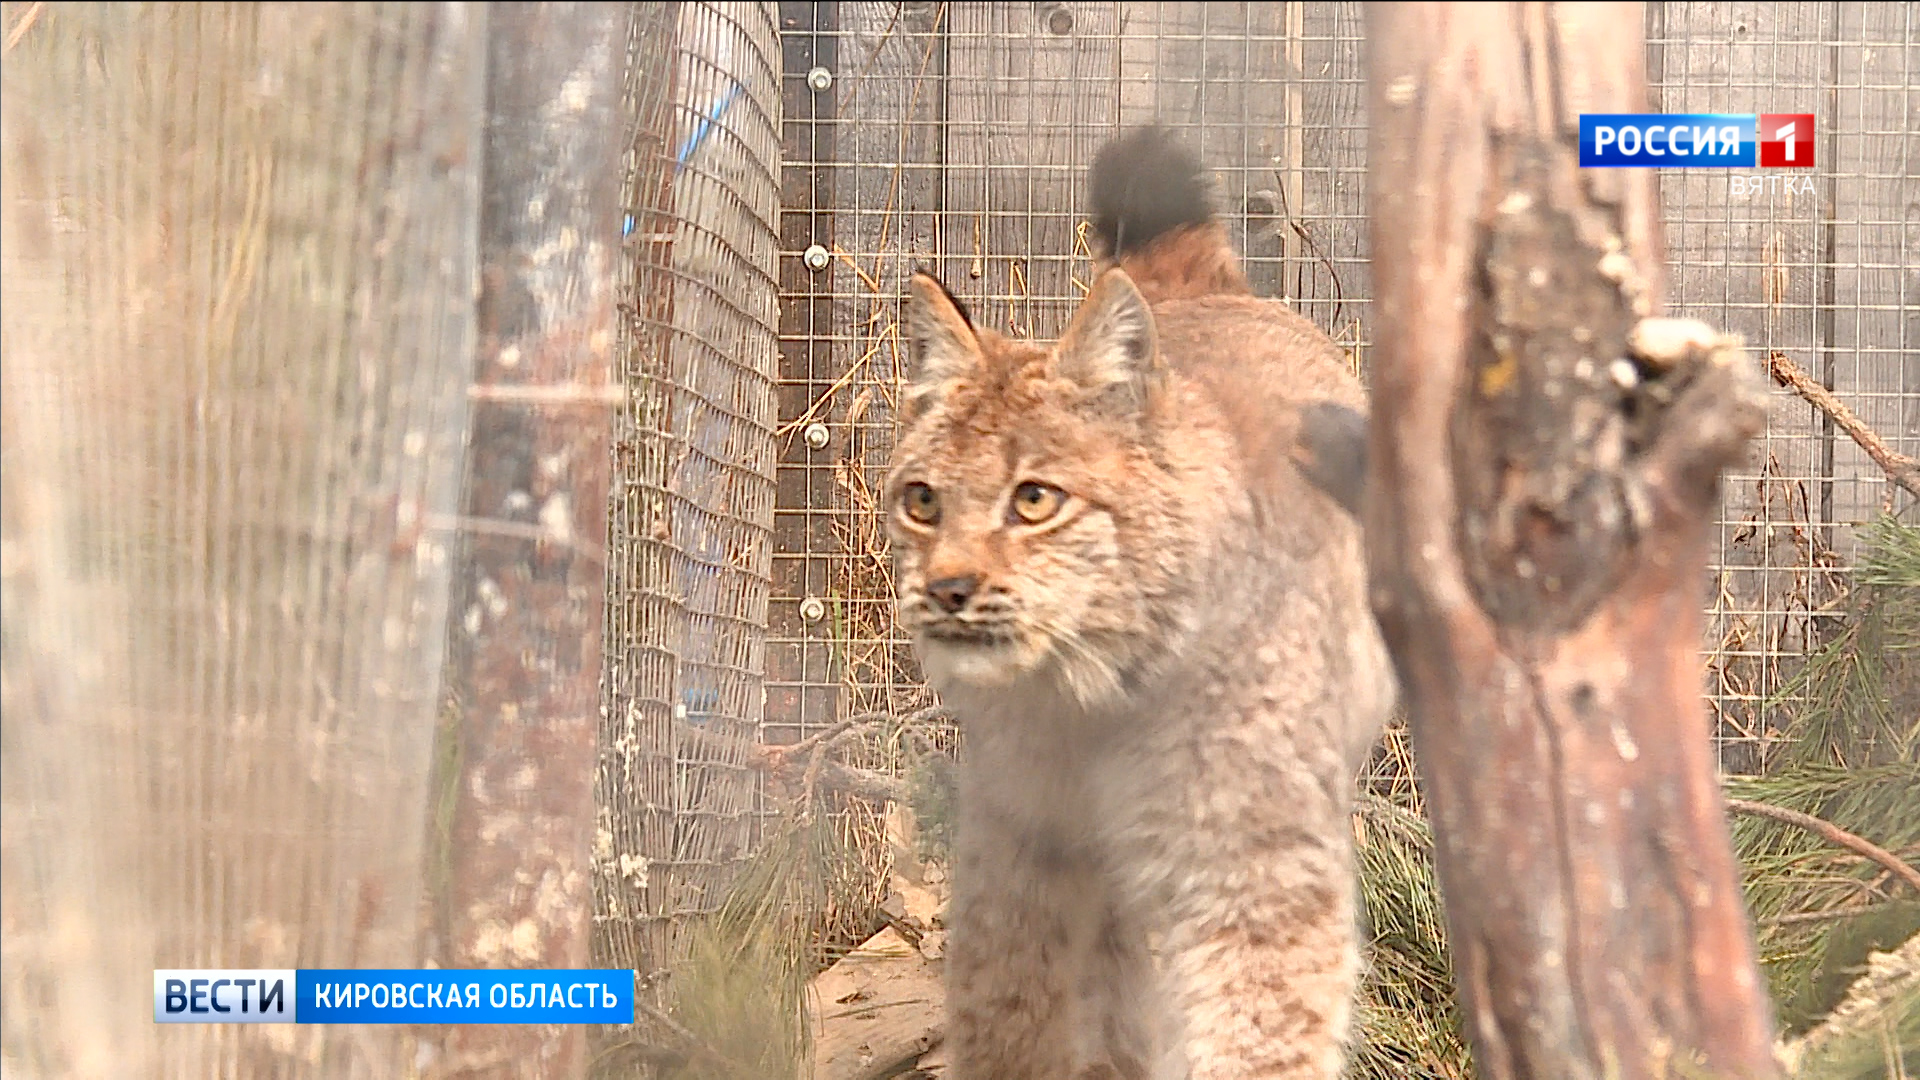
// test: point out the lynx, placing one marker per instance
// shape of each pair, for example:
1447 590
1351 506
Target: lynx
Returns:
1126 567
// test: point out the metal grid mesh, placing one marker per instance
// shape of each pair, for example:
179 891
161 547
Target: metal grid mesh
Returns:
690 529
1821 270
238 325
957 136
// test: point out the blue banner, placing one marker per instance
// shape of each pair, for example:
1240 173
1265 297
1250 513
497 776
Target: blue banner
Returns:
394 996
1675 141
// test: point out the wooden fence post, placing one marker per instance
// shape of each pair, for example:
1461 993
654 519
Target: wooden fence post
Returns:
1545 469
524 658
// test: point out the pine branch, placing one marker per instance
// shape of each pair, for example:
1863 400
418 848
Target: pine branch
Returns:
1833 834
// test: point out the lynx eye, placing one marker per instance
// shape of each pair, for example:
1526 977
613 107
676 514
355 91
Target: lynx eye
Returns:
921 503
1034 502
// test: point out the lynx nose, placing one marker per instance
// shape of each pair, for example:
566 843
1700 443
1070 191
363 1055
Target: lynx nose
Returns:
953 593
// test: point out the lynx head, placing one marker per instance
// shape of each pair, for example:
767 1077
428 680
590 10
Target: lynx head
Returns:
1037 525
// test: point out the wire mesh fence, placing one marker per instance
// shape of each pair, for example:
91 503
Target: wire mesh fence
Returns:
957 136
219 482
1816 267
238 328
692 507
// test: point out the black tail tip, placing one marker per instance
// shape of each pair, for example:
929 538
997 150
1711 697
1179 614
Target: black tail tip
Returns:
1145 184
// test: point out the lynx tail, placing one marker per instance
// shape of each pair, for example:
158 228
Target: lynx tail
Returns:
1153 215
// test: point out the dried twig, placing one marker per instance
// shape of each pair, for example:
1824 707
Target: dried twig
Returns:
823 772
783 754
815 762
817 739
865 783
1832 834
1900 468
1799 918
25 23
518 530
562 394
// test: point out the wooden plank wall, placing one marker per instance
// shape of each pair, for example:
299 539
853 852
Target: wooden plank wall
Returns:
1822 271
1271 95
799 674
1876 259
1034 95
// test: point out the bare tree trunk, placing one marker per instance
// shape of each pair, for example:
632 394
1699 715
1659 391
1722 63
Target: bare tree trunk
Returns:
525 656
1545 470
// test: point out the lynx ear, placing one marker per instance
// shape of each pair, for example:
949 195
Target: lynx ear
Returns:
941 344
1110 349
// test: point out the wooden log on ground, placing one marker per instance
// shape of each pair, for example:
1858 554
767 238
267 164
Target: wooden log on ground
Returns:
1544 473
876 1010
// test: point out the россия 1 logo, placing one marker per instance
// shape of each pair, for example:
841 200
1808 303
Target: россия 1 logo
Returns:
1786 141
1696 140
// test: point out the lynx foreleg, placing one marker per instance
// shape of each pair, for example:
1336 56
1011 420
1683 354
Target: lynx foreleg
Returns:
1039 985
1256 876
1267 991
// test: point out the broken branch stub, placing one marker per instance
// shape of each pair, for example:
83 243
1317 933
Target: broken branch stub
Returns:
1544 462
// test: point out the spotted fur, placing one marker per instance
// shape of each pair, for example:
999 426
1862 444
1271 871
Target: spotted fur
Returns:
1166 683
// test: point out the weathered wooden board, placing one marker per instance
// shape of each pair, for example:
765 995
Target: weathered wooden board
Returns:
1270 94
1817 265
1873 308
800 681
1035 93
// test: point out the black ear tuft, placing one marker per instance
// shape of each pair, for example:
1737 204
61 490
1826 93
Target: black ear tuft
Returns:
959 305
1144 185
941 345
1331 451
